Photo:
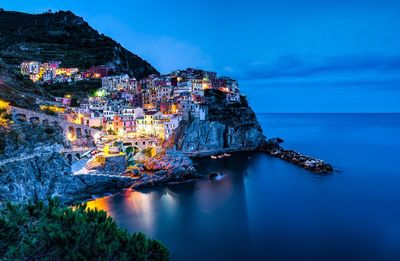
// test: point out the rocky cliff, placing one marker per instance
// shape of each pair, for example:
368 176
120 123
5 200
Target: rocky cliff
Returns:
228 127
32 168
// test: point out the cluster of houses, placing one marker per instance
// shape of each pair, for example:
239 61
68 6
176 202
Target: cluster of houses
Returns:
51 72
152 106
124 106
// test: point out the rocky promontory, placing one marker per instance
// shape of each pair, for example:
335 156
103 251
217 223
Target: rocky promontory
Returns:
171 161
228 127
318 166
114 164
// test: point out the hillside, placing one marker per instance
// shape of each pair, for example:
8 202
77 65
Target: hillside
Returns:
17 89
65 37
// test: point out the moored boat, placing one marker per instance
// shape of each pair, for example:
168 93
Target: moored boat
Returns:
216 175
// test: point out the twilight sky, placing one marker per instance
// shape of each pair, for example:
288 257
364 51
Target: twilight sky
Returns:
289 56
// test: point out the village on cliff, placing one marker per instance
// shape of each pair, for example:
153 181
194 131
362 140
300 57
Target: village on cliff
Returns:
136 112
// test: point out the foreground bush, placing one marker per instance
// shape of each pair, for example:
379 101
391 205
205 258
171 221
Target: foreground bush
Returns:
51 232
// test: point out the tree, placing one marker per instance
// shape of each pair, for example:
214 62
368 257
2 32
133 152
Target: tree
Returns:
51 232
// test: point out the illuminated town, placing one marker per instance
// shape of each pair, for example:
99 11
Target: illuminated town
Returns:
129 110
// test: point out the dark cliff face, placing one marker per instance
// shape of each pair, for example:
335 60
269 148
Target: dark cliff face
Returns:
228 126
31 166
65 37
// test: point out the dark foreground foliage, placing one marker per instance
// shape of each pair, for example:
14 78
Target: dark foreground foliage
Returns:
52 232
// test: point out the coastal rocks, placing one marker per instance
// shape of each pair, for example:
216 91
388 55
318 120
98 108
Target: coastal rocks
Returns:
228 127
36 178
169 163
32 168
314 165
99 184
110 164
203 136
244 136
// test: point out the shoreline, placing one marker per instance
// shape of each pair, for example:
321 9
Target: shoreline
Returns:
314 165
111 185
103 184
273 149
208 153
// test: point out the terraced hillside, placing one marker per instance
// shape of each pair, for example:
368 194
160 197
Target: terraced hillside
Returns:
65 37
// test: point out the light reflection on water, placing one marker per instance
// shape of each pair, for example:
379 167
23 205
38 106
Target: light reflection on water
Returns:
267 209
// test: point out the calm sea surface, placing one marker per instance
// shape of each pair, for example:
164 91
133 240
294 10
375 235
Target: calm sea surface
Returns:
268 209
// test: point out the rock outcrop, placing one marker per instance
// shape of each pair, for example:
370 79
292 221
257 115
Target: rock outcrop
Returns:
113 164
32 168
35 178
228 127
318 166
169 162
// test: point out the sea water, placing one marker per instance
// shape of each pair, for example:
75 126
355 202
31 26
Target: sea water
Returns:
268 209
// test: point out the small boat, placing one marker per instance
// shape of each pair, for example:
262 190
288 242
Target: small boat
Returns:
221 156
214 157
227 155
216 175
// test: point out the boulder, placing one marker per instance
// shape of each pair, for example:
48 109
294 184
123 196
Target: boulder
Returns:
110 164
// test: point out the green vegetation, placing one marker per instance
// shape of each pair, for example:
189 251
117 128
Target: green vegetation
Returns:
220 110
52 232
50 112
79 89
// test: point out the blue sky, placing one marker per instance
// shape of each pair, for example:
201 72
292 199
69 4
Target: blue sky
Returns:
289 56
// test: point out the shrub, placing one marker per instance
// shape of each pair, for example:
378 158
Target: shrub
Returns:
36 231
49 130
149 151
49 112
5 115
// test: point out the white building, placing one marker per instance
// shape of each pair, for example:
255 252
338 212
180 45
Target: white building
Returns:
198 111
109 115
32 67
134 112
164 92
170 125
233 97
118 82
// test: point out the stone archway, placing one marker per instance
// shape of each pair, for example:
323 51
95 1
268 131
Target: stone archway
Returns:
34 120
69 158
20 117
78 132
71 134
